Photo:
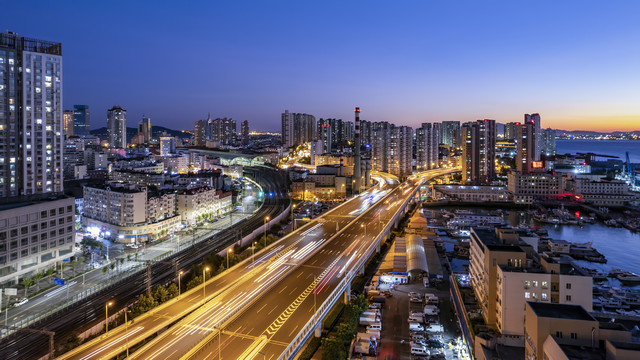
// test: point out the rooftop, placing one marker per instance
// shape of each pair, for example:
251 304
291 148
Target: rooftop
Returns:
21 201
560 311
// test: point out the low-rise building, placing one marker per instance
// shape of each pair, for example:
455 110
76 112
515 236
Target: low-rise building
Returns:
537 185
599 192
176 164
194 204
35 235
466 193
140 178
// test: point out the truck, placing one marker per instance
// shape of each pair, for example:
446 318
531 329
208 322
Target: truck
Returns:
366 347
435 329
372 332
367 336
378 299
431 310
369 319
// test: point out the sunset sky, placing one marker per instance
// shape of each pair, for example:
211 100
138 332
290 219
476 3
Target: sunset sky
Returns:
576 63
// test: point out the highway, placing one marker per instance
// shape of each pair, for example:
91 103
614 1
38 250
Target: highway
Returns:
237 288
266 327
83 315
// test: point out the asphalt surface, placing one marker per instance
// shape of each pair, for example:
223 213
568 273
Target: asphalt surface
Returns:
279 314
251 285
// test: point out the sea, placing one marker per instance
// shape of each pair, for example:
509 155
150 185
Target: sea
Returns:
602 147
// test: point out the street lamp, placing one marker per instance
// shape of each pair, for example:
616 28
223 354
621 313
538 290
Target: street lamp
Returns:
106 316
204 294
265 231
126 329
365 229
253 255
228 253
179 277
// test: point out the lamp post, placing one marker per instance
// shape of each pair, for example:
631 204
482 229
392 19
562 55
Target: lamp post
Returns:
365 229
106 316
126 330
204 294
265 231
253 255
179 277
228 253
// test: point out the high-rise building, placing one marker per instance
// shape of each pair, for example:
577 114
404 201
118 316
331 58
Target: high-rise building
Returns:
401 151
379 138
81 120
167 145
427 141
478 151
31 132
223 131
325 132
548 142
67 123
451 133
525 148
534 119
244 132
117 127
144 128
199 133
297 128
510 130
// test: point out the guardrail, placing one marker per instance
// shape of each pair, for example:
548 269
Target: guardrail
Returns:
327 305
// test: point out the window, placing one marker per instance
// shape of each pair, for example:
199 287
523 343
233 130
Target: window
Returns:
534 295
34 227
527 284
14 244
545 285
535 283
61 210
24 253
24 230
3 235
544 296
527 295
43 214
14 232
43 225
568 297
24 242
574 336
559 334
34 249
43 247
568 285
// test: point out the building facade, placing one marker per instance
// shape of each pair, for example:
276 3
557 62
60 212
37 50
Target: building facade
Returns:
297 128
144 128
67 123
199 133
451 133
548 142
81 120
478 151
427 142
117 127
31 127
244 133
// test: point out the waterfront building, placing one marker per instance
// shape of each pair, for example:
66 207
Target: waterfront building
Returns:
81 120
548 142
565 332
144 128
478 151
244 133
31 128
451 133
35 235
427 141
117 127
525 147
534 120
537 185
67 123
470 194
599 192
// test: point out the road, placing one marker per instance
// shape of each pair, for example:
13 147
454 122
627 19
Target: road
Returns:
86 313
269 324
243 284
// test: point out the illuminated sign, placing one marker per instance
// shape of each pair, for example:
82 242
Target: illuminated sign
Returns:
537 164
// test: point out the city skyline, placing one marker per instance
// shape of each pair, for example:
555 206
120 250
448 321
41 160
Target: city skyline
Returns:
429 63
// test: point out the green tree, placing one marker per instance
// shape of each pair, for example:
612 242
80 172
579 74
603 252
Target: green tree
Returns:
27 283
160 294
144 304
36 278
104 270
196 281
81 260
173 290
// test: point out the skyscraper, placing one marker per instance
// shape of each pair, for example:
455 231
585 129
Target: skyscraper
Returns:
510 130
199 133
401 151
117 127
81 120
326 135
427 141
534 119
525 137
67 123
451 133
31 136
379 137
224 131
297 128
244 132
548 142
144 128
478 151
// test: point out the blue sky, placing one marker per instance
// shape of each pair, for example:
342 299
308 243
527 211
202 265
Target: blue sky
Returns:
574 62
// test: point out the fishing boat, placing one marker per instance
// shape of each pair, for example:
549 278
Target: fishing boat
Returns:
628 278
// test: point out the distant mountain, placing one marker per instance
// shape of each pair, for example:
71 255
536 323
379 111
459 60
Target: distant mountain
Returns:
155 131
594 133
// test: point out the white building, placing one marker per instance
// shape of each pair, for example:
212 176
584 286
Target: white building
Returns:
539 185
178 164
34 235
202 201
600 192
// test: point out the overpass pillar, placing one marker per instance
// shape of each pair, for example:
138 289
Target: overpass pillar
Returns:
347 294
318 330
378 246
361 270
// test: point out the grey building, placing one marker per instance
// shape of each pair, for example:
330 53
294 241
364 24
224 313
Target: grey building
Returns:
451 133
548 142
31 136
244 133
478 151
144 128
117 127
297 128
534 120
427 142
81 120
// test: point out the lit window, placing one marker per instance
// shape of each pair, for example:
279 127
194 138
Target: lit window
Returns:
527 295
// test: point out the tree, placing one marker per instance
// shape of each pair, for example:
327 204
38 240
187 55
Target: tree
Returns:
173 290
160 294
104 270
36 278
27 283
144 304
74 265
196 281
81 260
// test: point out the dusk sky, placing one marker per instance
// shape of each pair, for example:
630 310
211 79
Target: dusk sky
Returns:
577 63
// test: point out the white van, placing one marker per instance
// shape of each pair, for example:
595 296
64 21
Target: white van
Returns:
419 350
416 326
435 329
375 326
431 310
